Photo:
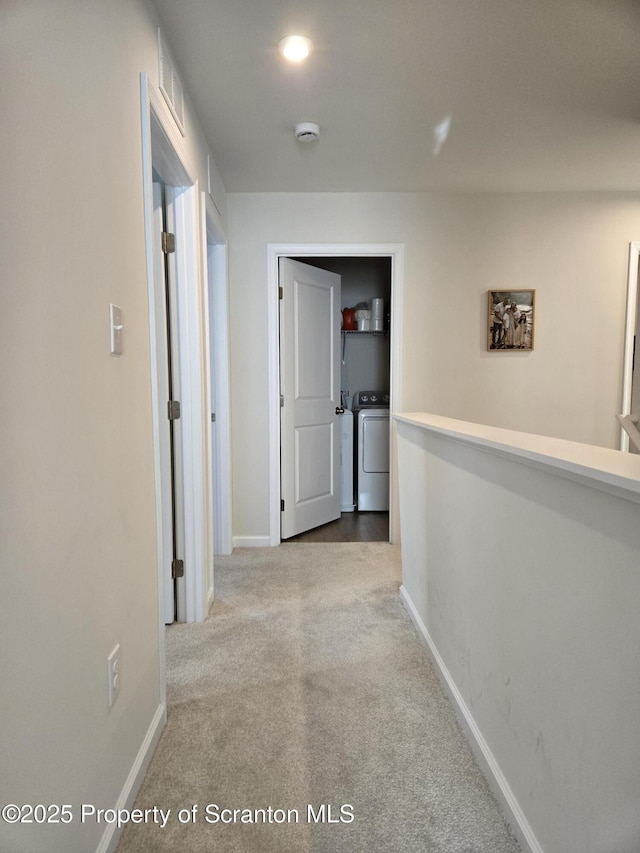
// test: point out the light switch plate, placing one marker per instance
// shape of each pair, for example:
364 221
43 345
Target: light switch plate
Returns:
115 316
113 674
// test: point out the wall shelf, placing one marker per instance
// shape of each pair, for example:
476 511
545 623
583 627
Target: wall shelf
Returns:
356 332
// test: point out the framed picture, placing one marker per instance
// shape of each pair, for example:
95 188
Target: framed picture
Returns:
511 320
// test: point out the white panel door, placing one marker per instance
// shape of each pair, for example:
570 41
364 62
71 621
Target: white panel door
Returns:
163 396
310 322
168 388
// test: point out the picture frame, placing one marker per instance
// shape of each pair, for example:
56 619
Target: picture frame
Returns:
511 320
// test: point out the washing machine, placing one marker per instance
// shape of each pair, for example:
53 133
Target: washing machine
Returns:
372 450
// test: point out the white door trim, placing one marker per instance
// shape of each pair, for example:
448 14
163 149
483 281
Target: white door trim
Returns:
163 148
394 251
629 334
194 400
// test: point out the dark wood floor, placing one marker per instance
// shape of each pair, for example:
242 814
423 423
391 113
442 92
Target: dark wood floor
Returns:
350 527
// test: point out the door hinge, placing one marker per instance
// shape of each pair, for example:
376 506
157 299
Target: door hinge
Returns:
168 242
280 293
173 410
281 401
282 505
213 417
177 568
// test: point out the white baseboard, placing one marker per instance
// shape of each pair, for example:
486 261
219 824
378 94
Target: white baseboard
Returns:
111 835
495 777
251 542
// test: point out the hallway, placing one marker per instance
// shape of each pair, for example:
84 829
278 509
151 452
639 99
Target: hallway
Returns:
307 685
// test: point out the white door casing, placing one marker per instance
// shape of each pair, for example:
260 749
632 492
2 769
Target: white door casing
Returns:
310 389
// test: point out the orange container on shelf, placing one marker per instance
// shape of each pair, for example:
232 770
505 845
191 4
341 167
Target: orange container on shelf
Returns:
349 319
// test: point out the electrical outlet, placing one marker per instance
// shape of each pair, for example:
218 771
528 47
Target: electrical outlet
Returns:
113 674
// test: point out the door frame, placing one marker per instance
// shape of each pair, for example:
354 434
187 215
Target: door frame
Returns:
629 335
275 251
163 149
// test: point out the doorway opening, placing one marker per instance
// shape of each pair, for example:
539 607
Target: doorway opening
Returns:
163 157
371 363
365 370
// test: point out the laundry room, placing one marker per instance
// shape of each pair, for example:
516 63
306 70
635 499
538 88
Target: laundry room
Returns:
365 386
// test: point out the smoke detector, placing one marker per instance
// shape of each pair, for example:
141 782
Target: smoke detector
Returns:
307 131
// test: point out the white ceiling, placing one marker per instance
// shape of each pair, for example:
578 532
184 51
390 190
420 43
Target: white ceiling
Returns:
542 94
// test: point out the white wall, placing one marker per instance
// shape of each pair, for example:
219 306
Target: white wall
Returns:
525 584
78 518
572 248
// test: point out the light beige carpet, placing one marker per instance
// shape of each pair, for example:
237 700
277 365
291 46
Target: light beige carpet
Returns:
308 686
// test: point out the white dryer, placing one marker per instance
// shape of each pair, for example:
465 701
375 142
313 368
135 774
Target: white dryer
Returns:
372 452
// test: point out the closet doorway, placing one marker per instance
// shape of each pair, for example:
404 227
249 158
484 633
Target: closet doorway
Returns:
365 365
369 362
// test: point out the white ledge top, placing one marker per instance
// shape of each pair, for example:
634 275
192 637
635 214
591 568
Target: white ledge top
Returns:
610 470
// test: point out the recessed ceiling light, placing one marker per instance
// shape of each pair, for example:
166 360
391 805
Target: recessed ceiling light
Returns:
295 48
